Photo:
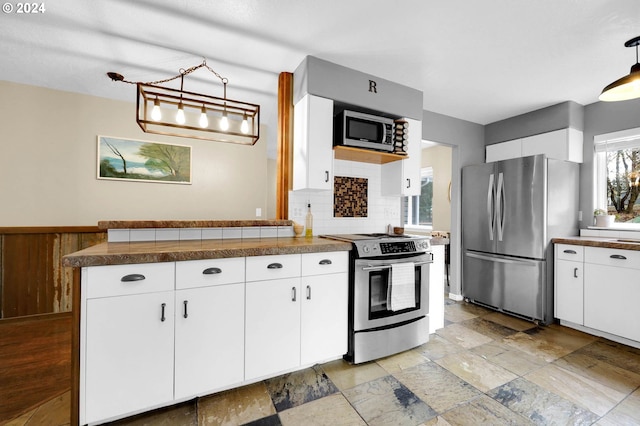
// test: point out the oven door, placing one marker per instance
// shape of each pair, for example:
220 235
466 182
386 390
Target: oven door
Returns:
372 278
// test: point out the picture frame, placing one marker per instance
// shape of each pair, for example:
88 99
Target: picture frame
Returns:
136 160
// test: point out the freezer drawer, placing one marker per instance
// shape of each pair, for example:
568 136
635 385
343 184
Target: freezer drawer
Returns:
506 283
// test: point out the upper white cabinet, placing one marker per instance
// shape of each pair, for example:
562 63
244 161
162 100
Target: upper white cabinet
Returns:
402 178
564 144
313 143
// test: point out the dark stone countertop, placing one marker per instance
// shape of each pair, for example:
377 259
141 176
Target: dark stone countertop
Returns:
171 251
604 242
162 224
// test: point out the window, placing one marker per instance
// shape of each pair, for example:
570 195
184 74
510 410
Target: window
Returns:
618 175
418 210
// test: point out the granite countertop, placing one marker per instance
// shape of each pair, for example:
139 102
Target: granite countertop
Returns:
620 243
163 224
170 251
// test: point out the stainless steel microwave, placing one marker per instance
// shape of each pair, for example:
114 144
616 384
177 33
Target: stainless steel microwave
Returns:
362 130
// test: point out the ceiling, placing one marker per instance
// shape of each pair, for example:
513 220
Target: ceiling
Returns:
480 61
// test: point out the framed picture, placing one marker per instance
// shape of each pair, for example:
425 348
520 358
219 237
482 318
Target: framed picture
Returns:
135 160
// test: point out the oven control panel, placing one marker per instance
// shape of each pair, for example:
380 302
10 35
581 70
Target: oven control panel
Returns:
382 247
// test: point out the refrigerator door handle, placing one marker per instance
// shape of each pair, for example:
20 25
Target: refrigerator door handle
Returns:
500 206
490 207
503 260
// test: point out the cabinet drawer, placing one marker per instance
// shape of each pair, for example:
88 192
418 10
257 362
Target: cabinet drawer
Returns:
273 267
570 252
612 257
118 280
325 263
208 272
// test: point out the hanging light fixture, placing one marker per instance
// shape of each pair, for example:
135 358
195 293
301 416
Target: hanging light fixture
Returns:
239 122
627 87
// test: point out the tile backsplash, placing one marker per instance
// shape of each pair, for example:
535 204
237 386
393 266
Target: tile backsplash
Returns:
350 196
381 211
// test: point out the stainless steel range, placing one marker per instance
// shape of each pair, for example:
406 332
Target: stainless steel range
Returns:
388 294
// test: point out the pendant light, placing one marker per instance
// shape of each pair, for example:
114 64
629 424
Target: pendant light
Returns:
627 87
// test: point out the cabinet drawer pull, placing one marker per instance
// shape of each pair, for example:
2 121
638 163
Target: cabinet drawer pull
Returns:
162 318
570 252
293 294
326 176
132 277
408 183
325 262
274 266
575 272
308 292
212 271
618 256
185 308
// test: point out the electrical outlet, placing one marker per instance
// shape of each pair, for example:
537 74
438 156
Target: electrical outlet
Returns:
258 212
580 216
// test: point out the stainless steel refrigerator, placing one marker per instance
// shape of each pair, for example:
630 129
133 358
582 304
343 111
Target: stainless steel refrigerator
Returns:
511 210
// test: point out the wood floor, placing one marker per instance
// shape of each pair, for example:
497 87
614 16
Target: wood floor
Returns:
35 366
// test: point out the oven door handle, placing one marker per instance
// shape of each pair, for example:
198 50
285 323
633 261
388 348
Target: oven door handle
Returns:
383 267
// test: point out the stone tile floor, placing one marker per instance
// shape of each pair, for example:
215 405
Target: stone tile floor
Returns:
483 367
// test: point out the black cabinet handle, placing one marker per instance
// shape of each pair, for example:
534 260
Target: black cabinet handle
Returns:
185 308
132 277
326 176
212 271
618 256
575 272
162 318
408 183
325 262
274 266
293 294
570 252
308 292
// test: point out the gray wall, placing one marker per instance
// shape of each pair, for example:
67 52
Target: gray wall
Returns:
600 118
467 140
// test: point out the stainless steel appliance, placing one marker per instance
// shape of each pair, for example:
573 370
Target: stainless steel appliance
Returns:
364 131
511 210
377 330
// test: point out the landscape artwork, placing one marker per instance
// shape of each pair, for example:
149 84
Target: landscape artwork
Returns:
134 160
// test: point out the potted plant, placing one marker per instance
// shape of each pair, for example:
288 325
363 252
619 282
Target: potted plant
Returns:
603 219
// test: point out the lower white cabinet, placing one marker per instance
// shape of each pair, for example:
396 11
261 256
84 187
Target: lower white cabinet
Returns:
569 283
612 291
436 289
598 288
154 334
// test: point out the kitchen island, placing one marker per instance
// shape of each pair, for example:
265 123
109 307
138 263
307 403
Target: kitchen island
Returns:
157 322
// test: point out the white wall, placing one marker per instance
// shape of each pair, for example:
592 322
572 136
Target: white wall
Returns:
439 158
48 166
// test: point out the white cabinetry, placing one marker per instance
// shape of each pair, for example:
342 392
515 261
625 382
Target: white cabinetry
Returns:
565 144
402 178
569 283
324 306
612 291
272 339
127 361
313 143
436 289
209 329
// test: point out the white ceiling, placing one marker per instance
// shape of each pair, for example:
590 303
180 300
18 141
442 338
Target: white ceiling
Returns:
480 61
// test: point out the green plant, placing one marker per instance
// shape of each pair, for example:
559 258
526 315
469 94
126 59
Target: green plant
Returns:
599 212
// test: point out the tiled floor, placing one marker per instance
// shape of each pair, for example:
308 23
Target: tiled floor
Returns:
482 368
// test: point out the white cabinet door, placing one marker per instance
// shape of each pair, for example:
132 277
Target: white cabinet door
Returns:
402 178
436 289
563 144
503 150
324 317
129 354
272 331
569 291
209 339
313 143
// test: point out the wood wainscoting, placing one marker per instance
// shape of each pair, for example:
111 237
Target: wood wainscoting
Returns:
32 279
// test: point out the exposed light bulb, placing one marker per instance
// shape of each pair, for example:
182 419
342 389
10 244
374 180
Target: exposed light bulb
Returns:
156 114
204 120
180 114
244 127
224 122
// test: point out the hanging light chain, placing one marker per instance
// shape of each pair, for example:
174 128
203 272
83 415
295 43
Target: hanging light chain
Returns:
183 72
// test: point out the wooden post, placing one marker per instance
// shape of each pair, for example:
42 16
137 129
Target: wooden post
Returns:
285 144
